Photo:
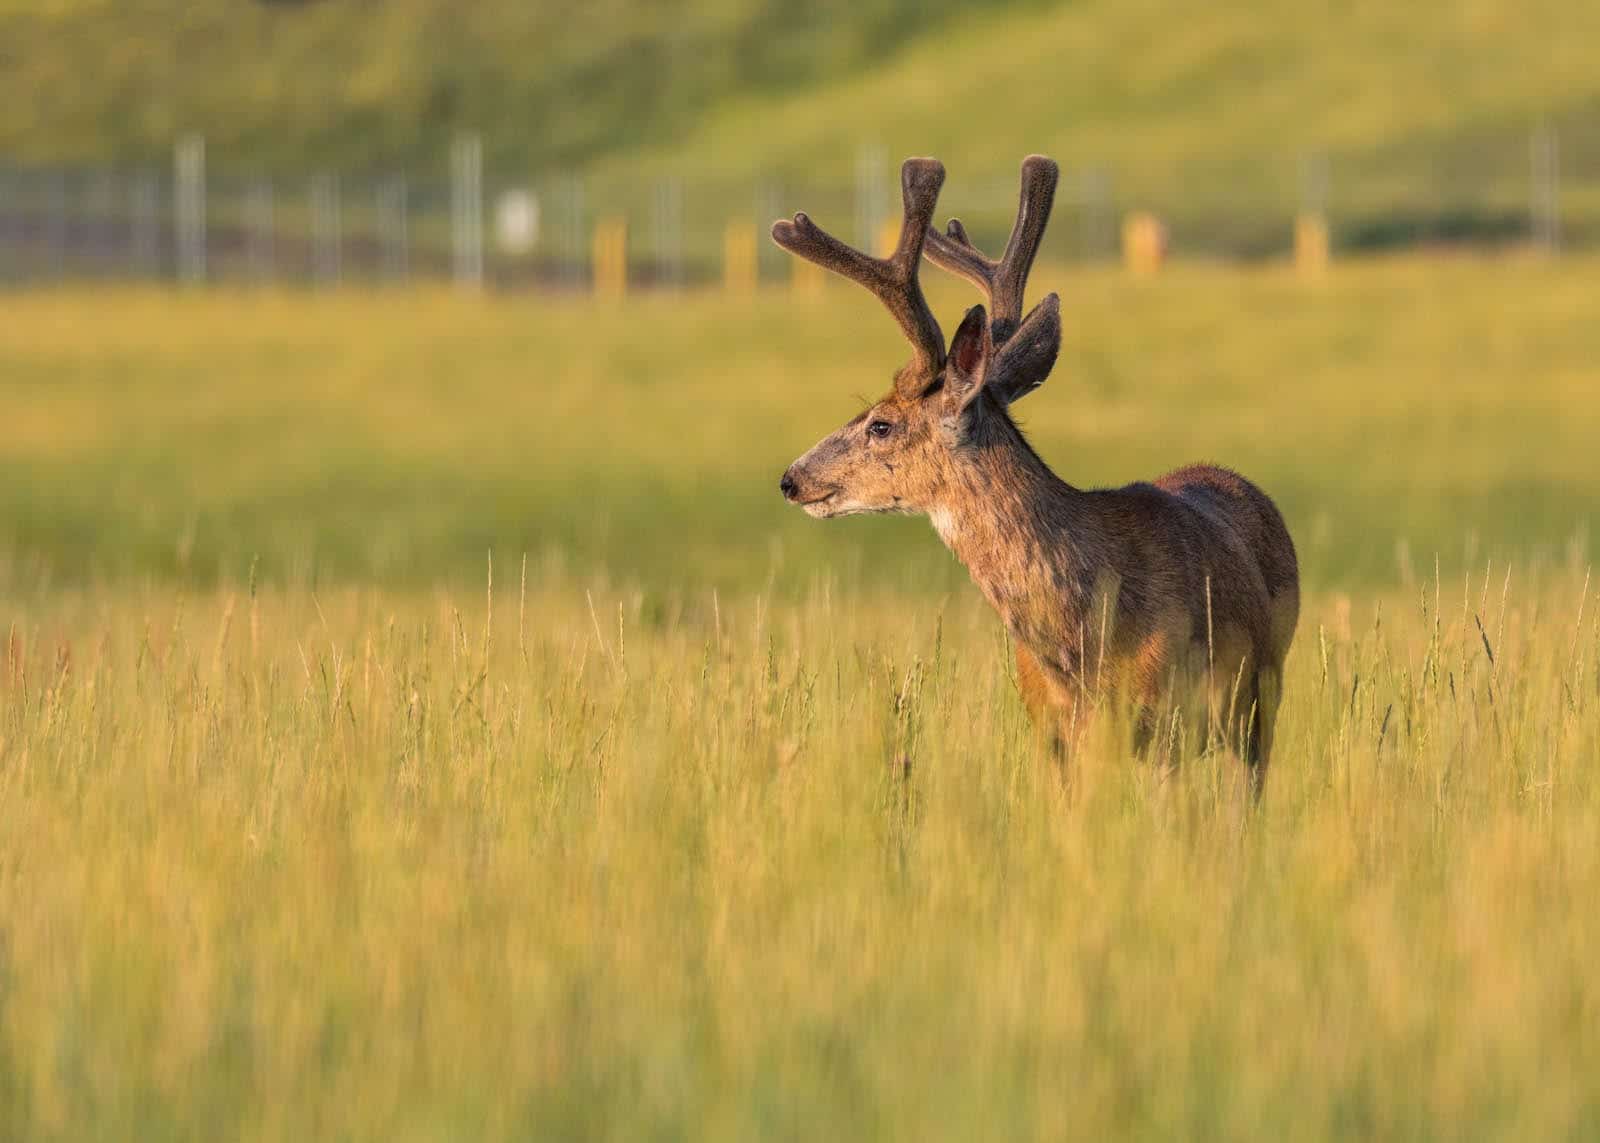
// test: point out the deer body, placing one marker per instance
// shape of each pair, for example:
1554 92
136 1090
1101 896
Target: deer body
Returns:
1159 591
1153 590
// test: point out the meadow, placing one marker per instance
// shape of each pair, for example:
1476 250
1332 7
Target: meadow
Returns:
420 717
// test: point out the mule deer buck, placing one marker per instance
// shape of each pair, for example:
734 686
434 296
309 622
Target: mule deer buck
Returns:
1169 592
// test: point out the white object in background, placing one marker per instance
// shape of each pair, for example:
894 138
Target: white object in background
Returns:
516 221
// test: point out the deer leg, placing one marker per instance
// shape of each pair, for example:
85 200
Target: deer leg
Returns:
1044 705
1034 688
1144 728
1032 684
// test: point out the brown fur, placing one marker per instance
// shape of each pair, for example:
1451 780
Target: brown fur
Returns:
1183 589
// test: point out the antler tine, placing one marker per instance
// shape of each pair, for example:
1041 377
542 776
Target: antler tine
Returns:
1003 281
893 280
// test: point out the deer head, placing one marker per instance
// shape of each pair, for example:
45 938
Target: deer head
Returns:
905 452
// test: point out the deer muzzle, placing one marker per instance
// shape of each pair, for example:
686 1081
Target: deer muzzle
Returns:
798 488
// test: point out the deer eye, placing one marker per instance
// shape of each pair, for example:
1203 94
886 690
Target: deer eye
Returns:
880 429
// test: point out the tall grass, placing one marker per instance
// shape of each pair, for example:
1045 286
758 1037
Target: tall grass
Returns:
708 821
372 865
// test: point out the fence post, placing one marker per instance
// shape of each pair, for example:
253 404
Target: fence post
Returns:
1311 224
805 278
666 223
572 241
466 210
767 205
1546 198
1095 223
259 254
1144 243
871 194
100 222
611 257
325 239
56 224
144 225
394 230
739 257
888 238
5 225
189 203
1311 244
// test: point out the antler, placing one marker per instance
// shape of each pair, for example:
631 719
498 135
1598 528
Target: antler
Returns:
893 279
1005 280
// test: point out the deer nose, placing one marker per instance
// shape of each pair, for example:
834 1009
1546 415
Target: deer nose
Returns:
787 486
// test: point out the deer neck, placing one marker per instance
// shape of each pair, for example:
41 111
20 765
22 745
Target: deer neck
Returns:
1020 530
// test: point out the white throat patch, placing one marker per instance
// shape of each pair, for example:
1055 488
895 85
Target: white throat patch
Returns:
944 522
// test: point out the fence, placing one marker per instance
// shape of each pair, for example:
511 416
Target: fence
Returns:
190 223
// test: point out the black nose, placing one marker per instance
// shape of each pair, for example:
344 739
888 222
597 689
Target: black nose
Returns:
786 486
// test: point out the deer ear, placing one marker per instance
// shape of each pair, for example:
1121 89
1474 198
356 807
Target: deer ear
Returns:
1025 360
966 366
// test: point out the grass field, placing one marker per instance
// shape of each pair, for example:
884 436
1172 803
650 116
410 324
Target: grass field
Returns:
1398 410
694 818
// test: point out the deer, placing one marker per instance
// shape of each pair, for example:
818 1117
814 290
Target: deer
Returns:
1180 593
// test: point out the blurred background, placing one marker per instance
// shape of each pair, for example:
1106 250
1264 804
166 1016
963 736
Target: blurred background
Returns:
422 718
317 142
1392 208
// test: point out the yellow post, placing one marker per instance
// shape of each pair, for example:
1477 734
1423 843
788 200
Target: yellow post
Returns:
739 271
611 257
806 278
888 236
1311 244
1144 242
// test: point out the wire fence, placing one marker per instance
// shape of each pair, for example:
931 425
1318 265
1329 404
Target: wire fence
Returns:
560 231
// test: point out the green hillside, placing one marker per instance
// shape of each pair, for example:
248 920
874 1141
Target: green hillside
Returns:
1157 88
1161 89
360 83
1421 115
